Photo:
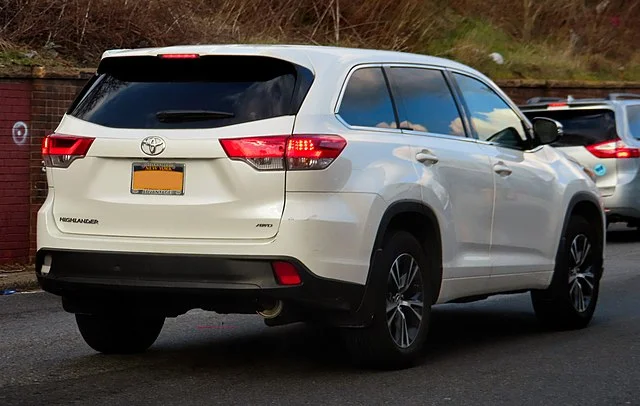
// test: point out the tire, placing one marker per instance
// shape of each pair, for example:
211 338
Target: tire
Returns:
375 345
111 334
559 307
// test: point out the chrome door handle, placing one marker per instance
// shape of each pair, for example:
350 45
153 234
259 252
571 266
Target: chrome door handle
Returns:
426 156
501 169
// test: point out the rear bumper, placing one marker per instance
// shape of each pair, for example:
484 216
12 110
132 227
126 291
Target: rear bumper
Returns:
624 204
205 281
623 214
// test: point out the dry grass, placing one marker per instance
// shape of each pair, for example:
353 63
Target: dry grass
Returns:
538 38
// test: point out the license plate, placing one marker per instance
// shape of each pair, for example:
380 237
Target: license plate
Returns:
149 178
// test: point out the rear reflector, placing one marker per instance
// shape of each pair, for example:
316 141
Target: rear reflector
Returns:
298 152
59 151
179 56
286 273
613 149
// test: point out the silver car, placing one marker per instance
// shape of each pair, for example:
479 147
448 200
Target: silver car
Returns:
603 135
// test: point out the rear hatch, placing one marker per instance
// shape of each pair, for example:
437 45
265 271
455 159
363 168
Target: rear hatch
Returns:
139 153
590 137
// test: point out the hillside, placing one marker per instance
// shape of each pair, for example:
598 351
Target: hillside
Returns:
539 39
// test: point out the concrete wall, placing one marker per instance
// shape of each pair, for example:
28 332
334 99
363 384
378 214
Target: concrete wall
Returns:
33 103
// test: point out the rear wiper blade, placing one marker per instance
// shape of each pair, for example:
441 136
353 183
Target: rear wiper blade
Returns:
192 115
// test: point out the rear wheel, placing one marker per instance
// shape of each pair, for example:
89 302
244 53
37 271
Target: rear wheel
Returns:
402 307
570 301
119 334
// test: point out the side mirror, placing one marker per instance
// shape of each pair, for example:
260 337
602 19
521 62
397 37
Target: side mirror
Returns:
547 130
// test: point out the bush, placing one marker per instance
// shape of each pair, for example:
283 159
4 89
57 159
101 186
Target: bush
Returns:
80 30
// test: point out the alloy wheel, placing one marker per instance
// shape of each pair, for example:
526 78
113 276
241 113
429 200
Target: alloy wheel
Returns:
581 276
405 300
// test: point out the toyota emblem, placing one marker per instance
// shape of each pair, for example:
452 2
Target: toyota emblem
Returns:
153 145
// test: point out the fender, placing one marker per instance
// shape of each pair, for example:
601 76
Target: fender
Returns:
580 197
364 314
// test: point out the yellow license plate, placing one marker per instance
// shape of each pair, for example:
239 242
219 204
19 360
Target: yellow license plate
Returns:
157 179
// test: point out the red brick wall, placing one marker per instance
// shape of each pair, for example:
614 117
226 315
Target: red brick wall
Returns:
40 100
50 100
521 91
15 112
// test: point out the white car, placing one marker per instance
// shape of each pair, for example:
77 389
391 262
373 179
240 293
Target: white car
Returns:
354 188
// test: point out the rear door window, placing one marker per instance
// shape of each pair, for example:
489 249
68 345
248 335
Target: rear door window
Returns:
582 127
425 102
210 91
366 101
633 116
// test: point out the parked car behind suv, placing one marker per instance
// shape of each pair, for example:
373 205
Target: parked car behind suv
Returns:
604 136
352 188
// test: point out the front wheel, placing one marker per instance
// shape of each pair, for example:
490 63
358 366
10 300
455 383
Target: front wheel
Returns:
570 301
119 334
402 307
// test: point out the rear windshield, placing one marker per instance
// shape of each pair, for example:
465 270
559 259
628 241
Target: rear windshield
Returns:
581 127
211 91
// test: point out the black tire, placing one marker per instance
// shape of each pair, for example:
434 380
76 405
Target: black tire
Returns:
119 334
375 346
557 306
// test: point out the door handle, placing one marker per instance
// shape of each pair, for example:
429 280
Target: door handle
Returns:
501 169
425 156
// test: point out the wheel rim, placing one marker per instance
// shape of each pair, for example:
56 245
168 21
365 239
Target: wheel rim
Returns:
405 300
581 277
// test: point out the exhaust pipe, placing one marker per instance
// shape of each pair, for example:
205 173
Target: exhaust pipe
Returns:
273 311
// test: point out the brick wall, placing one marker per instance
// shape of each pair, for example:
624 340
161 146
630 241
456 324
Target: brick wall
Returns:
520 90
39 99
49 102
15 111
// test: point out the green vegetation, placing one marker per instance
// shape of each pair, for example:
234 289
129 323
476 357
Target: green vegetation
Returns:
538 39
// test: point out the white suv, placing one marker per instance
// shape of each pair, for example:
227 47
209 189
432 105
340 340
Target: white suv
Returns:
354 188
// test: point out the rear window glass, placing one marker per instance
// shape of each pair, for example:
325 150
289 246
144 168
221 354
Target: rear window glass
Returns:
581 127
366 101
211 91
633 114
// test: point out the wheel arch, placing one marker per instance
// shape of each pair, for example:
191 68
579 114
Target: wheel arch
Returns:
588 206
421 221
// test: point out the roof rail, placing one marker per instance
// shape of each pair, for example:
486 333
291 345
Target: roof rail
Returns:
618 96
536 100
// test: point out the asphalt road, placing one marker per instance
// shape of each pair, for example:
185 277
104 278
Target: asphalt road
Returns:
485 353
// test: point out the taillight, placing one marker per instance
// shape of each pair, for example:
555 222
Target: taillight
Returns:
179 56
59 151
556 105
298 152
613 149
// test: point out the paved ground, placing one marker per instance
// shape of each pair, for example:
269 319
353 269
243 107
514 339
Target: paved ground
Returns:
17 278
487 353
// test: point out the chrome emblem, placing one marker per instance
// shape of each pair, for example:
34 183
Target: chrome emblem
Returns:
153 145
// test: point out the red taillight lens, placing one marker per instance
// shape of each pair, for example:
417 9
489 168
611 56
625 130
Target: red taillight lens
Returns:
313 151
557 104
263 153
613 149
59 151
298 152
286 273
179 56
